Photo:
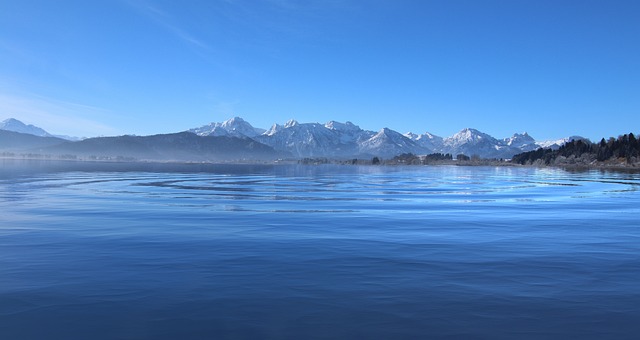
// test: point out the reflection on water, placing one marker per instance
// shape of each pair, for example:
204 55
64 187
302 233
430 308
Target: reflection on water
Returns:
263 251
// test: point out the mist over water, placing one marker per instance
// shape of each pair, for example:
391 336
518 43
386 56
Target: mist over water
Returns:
279 251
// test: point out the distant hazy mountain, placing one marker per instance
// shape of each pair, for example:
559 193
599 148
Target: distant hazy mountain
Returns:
15 125
25 142
183 146
237 139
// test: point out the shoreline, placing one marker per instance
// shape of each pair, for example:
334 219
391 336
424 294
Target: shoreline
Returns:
140 164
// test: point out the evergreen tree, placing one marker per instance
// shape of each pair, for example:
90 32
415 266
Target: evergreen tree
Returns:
626 147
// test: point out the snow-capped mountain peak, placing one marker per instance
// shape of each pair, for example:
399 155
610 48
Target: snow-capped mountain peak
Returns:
388 143
426 137
471 134
519 139
347 126
291 123
385 135
555 144
473 142
273 130
15 125
347 140
427 140
302 140
411 135
337 139
468 136
348 132
235 126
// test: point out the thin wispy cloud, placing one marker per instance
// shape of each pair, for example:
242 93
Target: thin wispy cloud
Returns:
153 63
21 54
271 26
13 49
165 20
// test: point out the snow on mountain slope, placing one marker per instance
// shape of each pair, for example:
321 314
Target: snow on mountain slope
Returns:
556 144
337 139
427 140
519 139
389 143
349 132
273 130
303 140
522 141
15 125
235 127
345 140
468 137
472 142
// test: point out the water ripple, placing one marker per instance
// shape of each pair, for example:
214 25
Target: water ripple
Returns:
318 252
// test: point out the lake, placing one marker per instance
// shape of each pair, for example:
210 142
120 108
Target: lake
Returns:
201 251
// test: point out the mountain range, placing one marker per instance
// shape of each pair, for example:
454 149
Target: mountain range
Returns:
15 125
335 140
237 139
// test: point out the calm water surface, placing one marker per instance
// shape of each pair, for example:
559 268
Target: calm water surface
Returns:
115 251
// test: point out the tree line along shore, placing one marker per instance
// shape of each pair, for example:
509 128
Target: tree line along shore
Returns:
620 152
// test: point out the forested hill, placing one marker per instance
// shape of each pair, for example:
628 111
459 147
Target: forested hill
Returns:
624 150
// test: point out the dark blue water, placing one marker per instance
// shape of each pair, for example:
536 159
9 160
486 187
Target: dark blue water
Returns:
114 251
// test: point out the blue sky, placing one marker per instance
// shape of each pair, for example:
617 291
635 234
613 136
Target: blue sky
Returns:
552 68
